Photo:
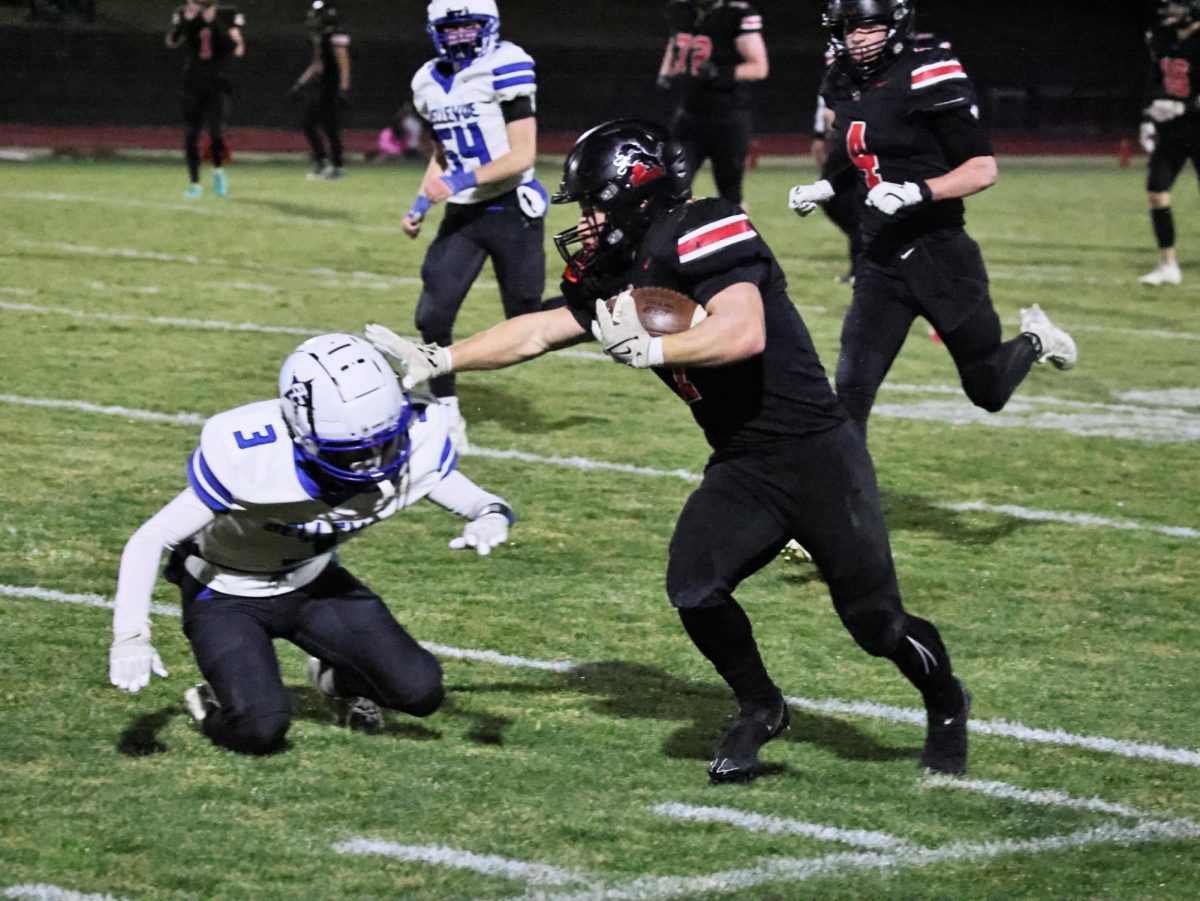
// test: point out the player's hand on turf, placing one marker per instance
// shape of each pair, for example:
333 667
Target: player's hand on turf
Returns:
131 659
622 334
483 533
420 362
890 198
1148 136
806 198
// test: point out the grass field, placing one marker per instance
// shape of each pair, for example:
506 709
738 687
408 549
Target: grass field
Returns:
1057 545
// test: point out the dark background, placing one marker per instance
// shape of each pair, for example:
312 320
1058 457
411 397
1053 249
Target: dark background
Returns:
1044 68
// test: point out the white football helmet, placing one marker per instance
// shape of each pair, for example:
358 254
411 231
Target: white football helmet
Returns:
463 30
345 409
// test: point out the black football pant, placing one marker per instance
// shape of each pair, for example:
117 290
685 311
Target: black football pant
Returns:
724 140
821 491
337 619
204 106
323 113
1178 142
941 277
469 234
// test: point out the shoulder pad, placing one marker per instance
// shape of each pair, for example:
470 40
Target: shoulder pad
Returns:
512 72
712 235
244 457
938 81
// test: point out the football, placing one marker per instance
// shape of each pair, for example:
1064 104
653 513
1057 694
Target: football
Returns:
663 311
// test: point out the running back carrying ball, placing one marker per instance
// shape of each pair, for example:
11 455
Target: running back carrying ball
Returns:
663 311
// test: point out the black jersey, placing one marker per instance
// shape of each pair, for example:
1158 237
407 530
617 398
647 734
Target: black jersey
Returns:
702 248
1174 70
208 44
914 119
711 38
331 70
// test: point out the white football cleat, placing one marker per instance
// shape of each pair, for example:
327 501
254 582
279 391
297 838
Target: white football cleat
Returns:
1167 273
795 552
1055 345
458 434
358 714
200 701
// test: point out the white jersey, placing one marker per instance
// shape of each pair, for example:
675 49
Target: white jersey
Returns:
273 532
463 109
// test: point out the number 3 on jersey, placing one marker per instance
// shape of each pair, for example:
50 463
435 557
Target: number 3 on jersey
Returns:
856 146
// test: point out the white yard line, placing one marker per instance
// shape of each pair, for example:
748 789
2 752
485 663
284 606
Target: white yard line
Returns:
585 464
773 825
994 728
458 859
43 892
794 870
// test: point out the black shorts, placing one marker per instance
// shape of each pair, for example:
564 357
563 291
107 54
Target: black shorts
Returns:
1177 144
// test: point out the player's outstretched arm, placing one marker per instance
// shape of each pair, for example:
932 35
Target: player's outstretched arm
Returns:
488 516
131 657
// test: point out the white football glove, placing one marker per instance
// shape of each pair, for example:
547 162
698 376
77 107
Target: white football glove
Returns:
1148 136
1165 110
484 532
890 198
805 198
131 658
622 334
421 362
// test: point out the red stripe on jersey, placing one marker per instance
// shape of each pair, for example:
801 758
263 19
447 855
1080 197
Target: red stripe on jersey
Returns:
937 70
711 234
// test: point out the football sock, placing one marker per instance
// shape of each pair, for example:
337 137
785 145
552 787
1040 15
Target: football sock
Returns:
723 635
450 401
922 658
1164 227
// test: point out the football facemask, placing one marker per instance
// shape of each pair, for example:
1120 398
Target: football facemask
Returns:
1176 14
890 19
463 30
345 410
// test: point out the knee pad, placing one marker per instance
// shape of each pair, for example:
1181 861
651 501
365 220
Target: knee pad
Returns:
877 630
433 320
694 591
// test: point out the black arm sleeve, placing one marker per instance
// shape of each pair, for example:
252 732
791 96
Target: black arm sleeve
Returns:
517 108
960 135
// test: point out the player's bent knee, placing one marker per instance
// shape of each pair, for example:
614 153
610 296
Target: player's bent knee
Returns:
421 691
877 630
257 733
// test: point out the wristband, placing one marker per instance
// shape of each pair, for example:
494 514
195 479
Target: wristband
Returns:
926 193
419 208
654 353
460 180
504 509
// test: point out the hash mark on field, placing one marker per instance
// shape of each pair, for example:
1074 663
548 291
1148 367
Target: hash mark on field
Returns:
758 822
1045 798
995 728
1085 520
458 859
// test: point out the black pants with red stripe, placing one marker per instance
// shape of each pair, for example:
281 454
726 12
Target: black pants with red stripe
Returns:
335 618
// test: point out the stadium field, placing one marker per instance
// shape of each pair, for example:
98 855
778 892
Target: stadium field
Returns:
1056 544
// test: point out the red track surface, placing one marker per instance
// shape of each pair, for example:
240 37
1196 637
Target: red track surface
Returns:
104 139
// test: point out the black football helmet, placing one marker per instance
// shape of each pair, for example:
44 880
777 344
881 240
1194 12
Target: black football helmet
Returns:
1177 13
322 16
843 16
631 171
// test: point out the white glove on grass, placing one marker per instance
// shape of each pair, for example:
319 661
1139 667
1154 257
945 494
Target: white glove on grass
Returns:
483 533
131 659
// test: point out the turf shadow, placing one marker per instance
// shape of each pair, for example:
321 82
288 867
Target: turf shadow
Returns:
914 513
300 210
514 411
141 739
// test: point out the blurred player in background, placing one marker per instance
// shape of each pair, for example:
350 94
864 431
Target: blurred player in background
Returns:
715 50
274 488
478 96
906 124
325 87
786 460
211 35
1170 130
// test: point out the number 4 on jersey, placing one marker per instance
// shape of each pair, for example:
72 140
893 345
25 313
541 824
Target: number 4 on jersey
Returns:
856 146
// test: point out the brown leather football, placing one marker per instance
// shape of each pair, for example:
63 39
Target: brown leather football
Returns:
663 311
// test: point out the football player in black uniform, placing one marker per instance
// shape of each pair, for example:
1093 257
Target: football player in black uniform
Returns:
1170 130
715 50
905 123
325 86
212 34
786 463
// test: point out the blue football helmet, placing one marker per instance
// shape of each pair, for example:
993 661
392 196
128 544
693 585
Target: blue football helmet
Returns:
346 412
463 30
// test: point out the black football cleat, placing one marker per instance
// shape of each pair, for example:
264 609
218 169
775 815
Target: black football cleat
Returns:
945 748
737 758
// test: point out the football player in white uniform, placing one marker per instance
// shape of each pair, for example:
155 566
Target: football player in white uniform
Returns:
478 96
274 487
